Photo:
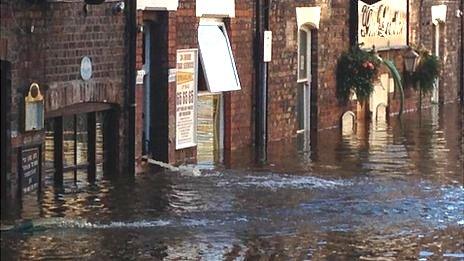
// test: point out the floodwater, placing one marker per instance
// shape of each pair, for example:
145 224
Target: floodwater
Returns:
390 192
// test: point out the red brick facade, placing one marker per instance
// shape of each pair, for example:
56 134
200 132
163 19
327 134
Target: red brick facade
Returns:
329 41
46 42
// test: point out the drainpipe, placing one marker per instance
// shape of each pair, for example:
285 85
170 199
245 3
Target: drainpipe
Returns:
462 52
262 15
131 34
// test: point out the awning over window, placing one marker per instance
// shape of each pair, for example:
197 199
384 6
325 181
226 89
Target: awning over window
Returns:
217 59
215 8
308 15
169 5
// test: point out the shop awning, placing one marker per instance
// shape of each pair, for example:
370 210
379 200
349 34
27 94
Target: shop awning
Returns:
217 59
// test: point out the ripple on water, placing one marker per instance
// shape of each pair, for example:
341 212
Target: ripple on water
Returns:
276 181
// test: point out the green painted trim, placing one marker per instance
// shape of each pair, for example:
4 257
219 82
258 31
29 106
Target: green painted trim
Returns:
398 82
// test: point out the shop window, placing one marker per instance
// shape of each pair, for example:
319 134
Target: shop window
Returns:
216 57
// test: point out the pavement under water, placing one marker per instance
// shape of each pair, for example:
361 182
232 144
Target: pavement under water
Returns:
390 192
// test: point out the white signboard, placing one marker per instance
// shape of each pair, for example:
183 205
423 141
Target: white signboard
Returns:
186 97
383 24
169 5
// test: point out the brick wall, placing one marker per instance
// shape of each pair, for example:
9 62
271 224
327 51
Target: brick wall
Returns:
238 108
46 42
332 38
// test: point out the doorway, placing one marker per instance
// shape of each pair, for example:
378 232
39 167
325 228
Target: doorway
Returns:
155 108
80 148
210 128
5 88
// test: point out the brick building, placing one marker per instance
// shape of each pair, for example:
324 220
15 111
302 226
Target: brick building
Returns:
222 120
308 37
76 56
200 78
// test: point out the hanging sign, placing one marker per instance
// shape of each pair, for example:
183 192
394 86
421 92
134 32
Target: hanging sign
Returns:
30 162
186 96
383 24
34 109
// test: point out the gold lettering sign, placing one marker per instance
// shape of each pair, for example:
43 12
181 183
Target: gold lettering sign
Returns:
34 109
383 24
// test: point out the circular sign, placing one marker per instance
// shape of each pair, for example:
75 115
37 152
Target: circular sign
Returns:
86 68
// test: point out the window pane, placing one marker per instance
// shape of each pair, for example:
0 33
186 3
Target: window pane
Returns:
217 59
69 140
303 56
99 143
300 106
49 145
81 138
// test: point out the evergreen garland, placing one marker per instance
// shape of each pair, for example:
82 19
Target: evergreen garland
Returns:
427 71
356 70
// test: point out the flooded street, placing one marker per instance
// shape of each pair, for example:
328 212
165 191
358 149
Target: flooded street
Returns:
393 191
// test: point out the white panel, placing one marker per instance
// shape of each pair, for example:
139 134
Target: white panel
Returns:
308 15
267 46
216 8
217 59
157 4
438 14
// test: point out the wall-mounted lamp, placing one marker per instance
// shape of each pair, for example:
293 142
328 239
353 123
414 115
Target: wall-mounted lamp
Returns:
118 7
140 28
458 13
411 60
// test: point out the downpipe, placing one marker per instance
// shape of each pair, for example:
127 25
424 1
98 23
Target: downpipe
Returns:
262 18
462 52
131 34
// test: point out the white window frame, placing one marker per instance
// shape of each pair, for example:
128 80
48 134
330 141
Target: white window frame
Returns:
308 54
221 25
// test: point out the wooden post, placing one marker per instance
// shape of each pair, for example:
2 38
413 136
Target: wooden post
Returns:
58 150
91 146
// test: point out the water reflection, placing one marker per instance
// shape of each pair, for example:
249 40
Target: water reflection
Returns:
394 191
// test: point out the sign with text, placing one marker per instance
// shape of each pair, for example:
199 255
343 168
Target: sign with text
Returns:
30 163
186 97
383 24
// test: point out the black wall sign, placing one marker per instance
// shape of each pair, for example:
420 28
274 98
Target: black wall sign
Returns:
30 169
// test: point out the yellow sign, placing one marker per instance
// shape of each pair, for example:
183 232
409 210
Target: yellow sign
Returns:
184 77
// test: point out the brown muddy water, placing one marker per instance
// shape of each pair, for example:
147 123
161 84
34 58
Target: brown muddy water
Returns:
391 192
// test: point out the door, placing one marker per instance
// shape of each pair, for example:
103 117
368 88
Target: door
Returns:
304 89
5 88
210 131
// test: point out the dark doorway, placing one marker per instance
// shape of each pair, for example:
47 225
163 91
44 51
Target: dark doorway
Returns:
82 147
5 88
158 73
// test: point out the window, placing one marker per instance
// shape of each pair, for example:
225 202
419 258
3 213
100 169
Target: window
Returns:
216 57
304 44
